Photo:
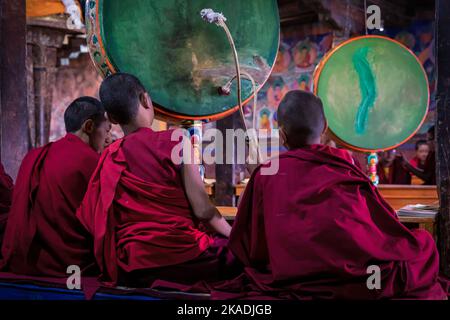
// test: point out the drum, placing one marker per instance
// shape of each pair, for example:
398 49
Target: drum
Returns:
181 59
375 93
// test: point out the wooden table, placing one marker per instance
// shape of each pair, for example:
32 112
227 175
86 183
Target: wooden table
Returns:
428 224
209 189
228 213
239 189
397 196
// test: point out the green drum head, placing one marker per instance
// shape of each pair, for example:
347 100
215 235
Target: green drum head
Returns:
181 59
375 93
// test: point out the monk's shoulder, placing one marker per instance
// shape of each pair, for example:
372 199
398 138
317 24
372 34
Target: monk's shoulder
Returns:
148 135
29 161
171 136
71 156
33 155
76 150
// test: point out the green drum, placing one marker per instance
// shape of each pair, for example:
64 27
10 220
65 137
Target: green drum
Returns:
181 59
375 93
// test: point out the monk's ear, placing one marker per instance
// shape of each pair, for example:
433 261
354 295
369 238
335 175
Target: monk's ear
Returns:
283 137
88 126
325 127
145 100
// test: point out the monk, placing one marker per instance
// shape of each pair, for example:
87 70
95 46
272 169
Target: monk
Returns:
6 189
428 171
144 210
43 236
318 228
421 156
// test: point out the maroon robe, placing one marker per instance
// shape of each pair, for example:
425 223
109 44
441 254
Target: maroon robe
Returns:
43 236
138 213
6 189
398 174
357 163
313 229
381 173
415 162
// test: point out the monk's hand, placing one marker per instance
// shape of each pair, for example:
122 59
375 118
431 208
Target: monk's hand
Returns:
403 159
401 156
220 225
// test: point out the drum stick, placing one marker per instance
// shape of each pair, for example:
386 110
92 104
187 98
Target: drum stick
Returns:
219 19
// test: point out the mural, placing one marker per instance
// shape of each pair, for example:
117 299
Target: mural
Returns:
420 39
297 58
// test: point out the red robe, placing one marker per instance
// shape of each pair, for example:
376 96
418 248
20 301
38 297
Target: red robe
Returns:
398 174
6 188
381 173
139 215
43 236
318 237
415 162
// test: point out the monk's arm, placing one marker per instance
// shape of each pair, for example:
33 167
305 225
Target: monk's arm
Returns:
199 200
426 176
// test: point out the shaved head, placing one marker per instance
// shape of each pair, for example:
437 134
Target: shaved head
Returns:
301 117
120 94
81 110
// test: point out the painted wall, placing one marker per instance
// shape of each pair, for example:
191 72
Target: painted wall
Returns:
78 79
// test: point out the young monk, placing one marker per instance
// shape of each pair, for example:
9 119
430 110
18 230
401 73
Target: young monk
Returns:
142 209
428 172
315 228
43 236
420 158
6 188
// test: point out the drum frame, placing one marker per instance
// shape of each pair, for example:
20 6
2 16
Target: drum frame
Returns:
321 65
100 59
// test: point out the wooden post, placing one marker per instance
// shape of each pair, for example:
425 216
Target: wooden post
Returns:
14 135
442 130
227 174
43 43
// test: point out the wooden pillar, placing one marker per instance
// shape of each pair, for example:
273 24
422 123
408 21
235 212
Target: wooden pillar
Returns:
43 43
443 130
227 174
14 134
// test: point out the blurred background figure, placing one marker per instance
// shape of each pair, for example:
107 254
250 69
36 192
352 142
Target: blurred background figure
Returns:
385 161
420 159
426 170
422 152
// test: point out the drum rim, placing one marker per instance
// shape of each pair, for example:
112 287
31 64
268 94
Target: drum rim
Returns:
160 112
321 65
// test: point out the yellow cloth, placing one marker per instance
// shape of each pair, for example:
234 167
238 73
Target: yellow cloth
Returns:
42 8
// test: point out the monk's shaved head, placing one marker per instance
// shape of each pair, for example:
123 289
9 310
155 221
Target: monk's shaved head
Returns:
81 110
120 94
301 116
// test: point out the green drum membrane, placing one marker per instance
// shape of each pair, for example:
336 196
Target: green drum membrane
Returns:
375 93
181 59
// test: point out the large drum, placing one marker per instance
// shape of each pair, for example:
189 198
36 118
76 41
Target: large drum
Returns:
181 59
375 93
